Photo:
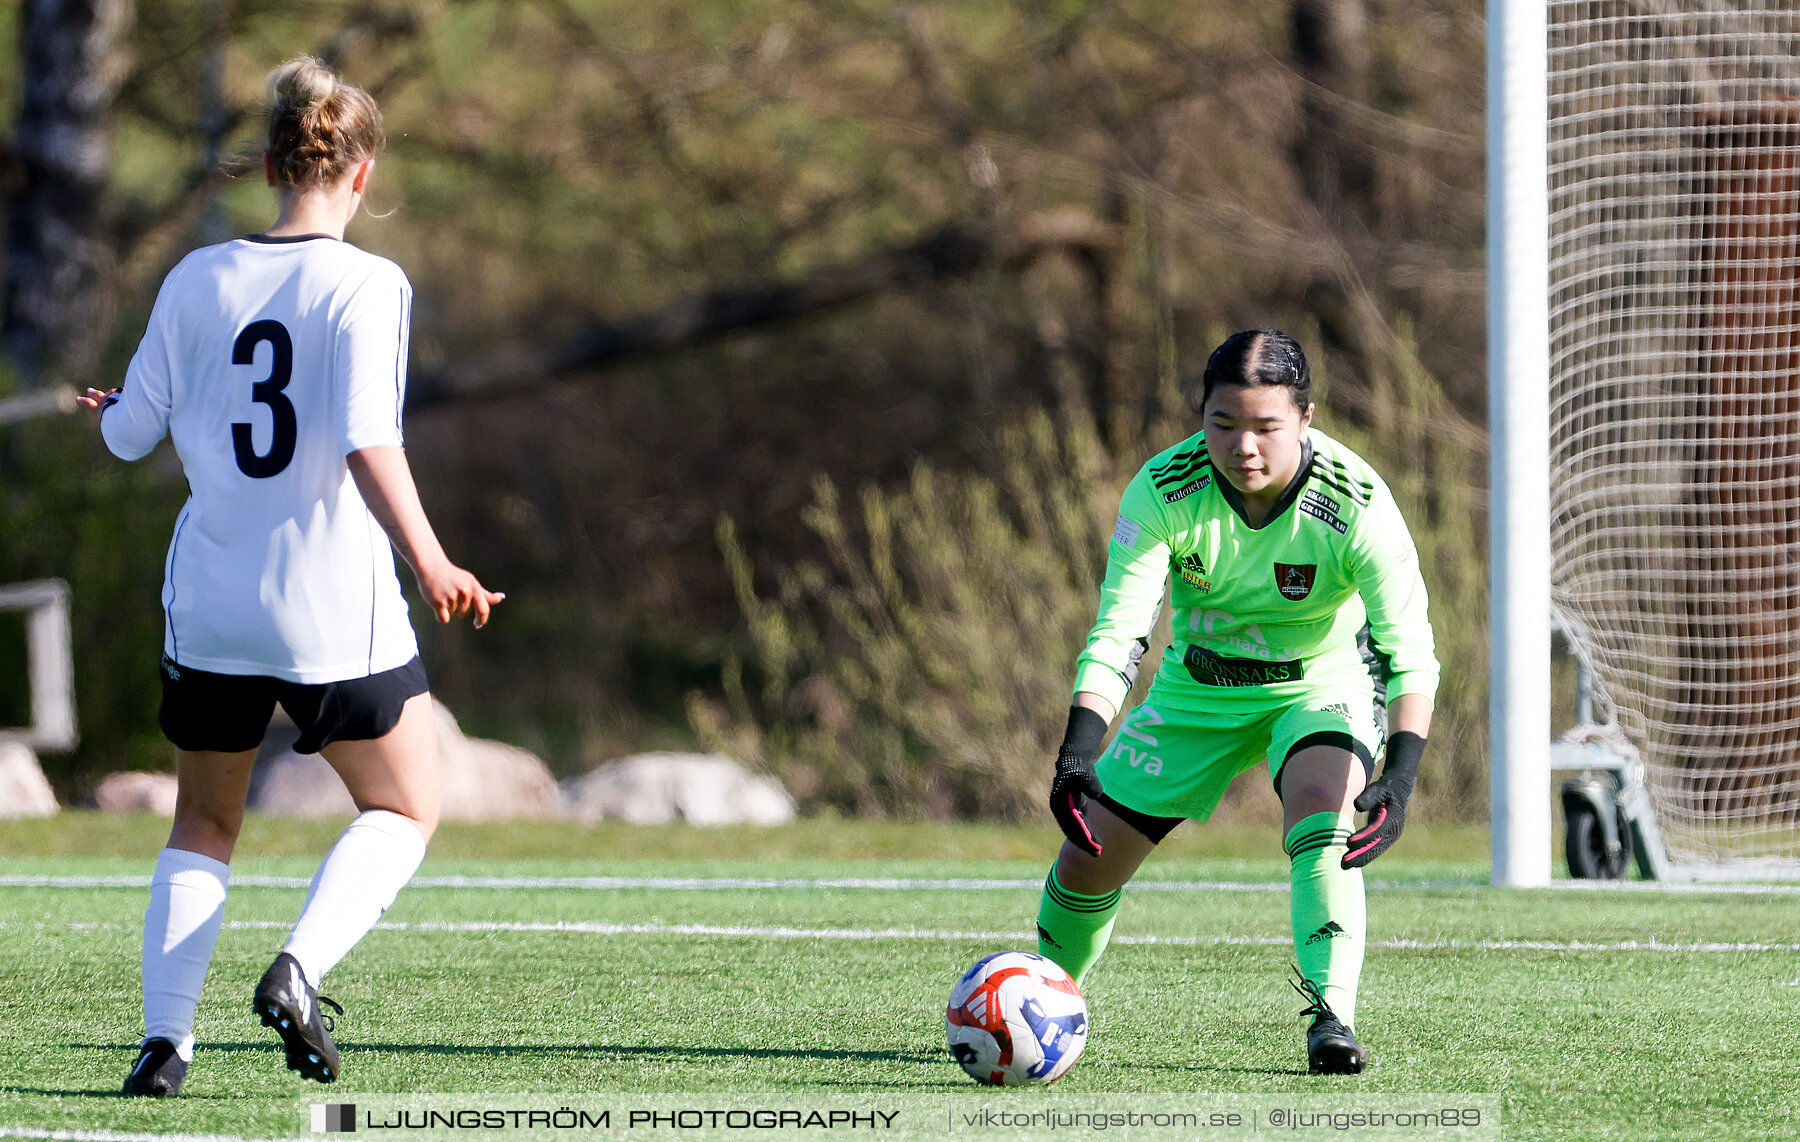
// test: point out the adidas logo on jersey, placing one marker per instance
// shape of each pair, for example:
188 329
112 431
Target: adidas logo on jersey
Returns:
1194 571
1330 931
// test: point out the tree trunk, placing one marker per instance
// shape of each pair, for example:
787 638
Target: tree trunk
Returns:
1331 50
58 288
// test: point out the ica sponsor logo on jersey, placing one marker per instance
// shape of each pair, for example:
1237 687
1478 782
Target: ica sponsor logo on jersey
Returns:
1222 628
1295 579
1194 571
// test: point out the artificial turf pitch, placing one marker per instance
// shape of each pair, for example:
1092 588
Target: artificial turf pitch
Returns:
815 959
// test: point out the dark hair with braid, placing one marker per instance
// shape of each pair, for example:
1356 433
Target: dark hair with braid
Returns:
1253 357
319 126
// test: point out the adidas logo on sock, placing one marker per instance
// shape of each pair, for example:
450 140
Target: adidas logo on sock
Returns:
1331 931
1047 938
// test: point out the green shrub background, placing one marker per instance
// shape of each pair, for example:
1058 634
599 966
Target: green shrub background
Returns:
859 545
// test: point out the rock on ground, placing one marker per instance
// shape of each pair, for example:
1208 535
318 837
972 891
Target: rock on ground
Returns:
135 793
492 781
483 780
656 788
24 792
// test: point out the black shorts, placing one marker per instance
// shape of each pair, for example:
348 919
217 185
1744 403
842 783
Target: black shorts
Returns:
1153 827
228 713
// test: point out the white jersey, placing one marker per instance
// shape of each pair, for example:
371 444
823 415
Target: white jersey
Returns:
268 361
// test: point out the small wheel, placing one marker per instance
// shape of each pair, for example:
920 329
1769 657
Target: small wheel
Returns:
1585 846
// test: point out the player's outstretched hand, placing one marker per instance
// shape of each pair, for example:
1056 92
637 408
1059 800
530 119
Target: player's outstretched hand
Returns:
1385 800
1075 780
451 593
96 401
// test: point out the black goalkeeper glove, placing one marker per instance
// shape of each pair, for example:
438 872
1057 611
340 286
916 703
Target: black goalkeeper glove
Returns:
1385 800
1075 780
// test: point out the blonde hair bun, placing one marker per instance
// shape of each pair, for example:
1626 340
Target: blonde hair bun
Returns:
319 126
304 81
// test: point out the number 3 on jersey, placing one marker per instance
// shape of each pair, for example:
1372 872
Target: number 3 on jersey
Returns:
268 391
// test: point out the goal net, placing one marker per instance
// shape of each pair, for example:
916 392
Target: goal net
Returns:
1674 161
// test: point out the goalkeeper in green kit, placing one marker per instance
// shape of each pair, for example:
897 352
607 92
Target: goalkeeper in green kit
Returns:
1296 593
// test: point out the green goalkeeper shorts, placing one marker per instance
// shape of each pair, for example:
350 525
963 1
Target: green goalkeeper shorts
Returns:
1171 761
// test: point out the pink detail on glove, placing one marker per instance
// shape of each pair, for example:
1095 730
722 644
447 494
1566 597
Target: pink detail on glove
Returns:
1082 821
1369 831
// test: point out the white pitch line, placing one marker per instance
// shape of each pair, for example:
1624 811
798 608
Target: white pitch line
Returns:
890 884
878 883
116 1136
138 882
875 883
697 883
1681 887
782 932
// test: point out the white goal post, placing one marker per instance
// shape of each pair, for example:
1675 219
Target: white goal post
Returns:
1518 461
48 663
1670 136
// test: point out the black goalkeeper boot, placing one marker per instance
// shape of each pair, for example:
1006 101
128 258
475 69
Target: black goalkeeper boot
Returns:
1331 1049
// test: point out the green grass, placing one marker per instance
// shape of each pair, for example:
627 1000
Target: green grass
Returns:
1602 1041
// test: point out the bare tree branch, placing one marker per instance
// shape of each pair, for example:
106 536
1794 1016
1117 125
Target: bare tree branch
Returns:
650 112
953 252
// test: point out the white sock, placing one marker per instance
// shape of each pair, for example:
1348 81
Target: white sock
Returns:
359 878
187 908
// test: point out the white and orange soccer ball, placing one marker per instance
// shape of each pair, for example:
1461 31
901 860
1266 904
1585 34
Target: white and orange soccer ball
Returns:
1015 1018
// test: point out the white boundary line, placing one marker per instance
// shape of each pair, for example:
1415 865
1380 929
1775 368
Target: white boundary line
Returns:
882 884
783 932
690 883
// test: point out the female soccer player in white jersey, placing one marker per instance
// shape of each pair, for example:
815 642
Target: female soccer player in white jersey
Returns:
277 363
1279 547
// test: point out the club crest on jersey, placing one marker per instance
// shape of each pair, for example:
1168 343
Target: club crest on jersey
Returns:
1295 580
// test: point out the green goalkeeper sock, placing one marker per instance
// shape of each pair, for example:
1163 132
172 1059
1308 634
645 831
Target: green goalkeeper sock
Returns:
1073 929
1330 916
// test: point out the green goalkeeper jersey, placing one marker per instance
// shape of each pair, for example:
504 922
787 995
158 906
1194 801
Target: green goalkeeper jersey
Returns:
1259 612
